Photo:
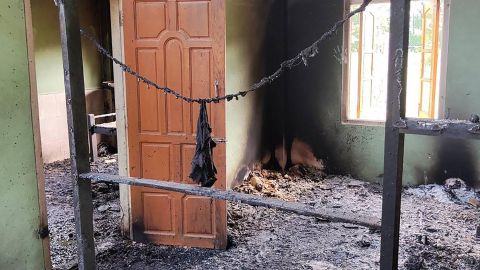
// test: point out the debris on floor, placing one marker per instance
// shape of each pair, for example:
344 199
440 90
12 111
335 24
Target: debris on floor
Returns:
288 186
454 190
438 231
61 223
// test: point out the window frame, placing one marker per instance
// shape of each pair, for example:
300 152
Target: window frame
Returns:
441 72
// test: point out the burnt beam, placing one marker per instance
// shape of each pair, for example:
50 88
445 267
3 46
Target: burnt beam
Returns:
77 130
227 195
394 140
462 129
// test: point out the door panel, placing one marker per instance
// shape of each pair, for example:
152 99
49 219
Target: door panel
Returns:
180 44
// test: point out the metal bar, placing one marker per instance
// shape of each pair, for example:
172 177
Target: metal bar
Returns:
447 128
77 131
394 140
292 207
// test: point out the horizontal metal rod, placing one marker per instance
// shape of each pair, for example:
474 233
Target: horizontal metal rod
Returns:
448 128
227 195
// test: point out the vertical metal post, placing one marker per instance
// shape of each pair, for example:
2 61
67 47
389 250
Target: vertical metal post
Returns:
394 140
77 130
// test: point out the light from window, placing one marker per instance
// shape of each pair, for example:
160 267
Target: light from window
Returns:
366 70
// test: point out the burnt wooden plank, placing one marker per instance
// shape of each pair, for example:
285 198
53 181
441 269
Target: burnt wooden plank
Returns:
228 195
394 140
77 130
447 128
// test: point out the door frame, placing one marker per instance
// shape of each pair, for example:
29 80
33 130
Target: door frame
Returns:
116 15
37 142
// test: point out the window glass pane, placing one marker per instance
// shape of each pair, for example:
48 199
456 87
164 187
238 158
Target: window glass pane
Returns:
354 33
375 59
353 86
368 32
367 65
416 17
425 106
427 66
353 67
429 27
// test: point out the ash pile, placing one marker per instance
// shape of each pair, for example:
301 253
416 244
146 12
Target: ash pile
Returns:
290 185
454 190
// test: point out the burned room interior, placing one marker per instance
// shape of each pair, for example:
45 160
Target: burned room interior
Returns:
240 134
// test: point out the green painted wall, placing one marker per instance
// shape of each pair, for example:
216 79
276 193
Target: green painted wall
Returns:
48 53
463 80
463 85
20 248
255 46
314 96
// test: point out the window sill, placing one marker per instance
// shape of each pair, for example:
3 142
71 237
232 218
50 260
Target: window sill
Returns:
360 122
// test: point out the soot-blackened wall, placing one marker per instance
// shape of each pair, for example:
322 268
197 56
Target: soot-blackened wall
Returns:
314 101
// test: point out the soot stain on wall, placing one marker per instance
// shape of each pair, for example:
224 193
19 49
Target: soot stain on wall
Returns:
455 159
258 42
267 123
312 113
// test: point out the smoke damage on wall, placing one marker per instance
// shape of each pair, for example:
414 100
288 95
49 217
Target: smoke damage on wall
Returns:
305 107
455 159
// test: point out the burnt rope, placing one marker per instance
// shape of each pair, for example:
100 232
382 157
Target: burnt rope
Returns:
302 57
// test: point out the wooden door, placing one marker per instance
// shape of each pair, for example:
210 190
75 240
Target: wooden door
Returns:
180 44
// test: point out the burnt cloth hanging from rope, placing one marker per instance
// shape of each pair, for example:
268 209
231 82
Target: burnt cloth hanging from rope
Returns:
203 169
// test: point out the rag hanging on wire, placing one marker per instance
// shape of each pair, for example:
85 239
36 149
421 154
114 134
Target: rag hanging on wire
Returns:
203 168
